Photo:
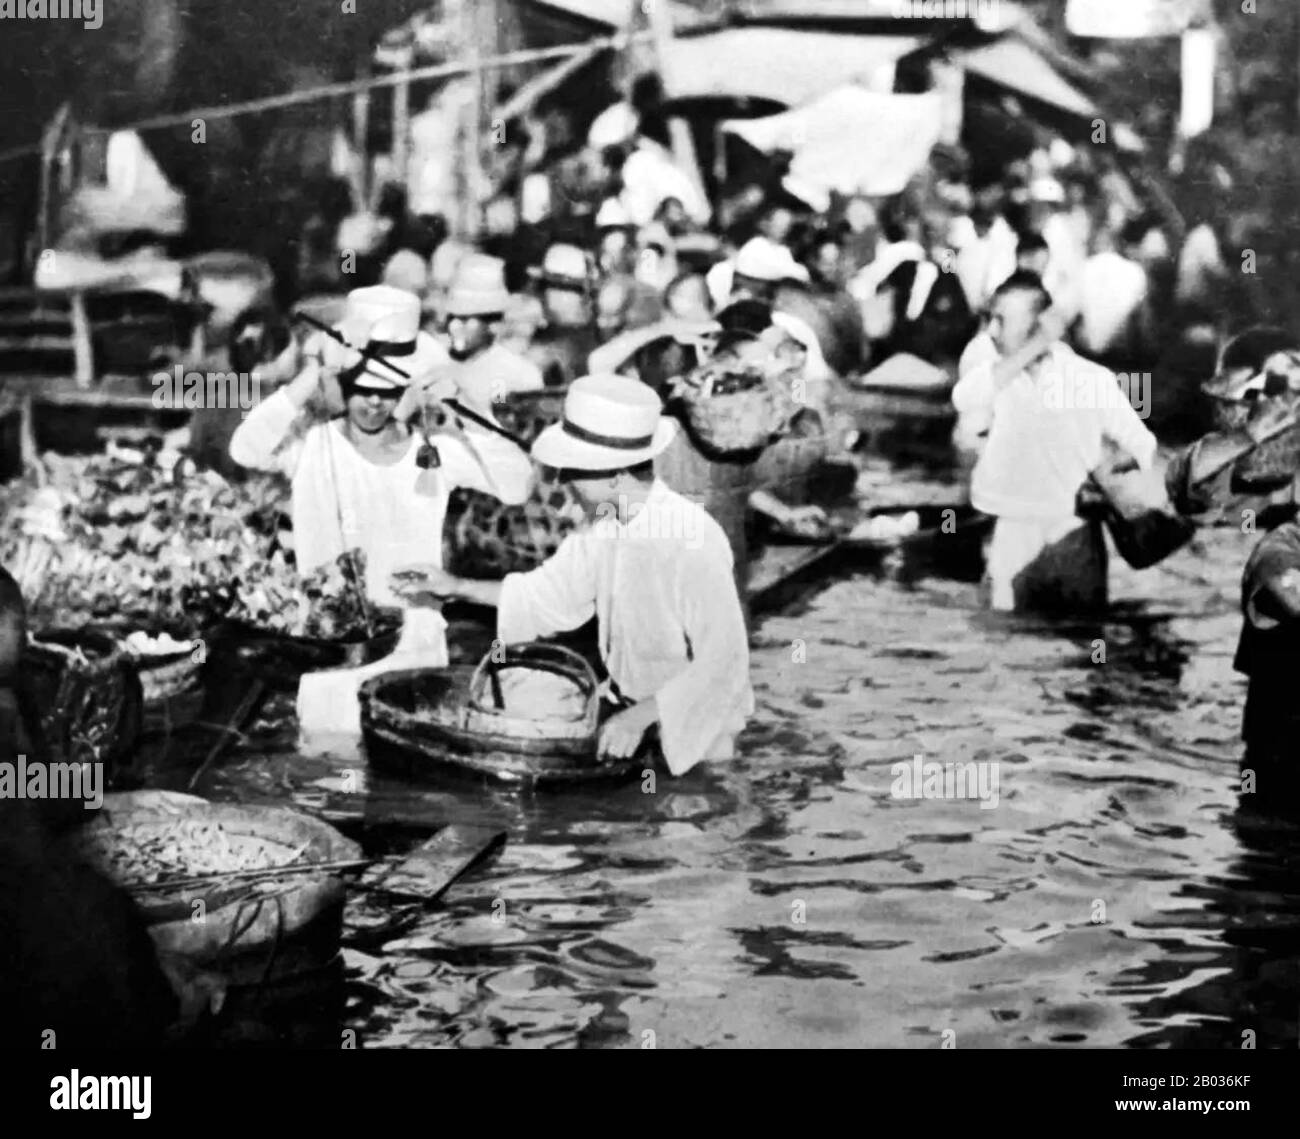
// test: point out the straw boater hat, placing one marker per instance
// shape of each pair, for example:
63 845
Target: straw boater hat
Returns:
564 267
478 287
610 422
387 321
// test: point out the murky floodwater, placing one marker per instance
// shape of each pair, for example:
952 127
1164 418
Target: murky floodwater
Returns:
787 899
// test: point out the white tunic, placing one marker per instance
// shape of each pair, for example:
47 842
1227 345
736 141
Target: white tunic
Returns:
1046 433
671 627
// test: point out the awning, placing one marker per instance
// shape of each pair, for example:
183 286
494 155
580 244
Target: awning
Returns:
851 140
1013 64
785 66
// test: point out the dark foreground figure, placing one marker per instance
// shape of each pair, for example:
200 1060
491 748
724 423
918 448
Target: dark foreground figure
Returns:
77 966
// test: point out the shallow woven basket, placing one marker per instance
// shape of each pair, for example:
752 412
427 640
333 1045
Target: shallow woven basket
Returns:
247 927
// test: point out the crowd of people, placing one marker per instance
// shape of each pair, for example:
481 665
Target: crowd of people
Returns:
605 270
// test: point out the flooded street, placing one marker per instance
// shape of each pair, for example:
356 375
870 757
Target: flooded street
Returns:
1116 894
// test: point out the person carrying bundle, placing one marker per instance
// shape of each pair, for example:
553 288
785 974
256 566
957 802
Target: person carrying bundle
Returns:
358 479
654 570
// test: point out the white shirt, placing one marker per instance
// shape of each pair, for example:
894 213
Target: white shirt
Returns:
1046 434
342 500
670 622
1112 289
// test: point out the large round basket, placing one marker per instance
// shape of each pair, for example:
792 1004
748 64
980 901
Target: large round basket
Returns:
249 932
429 723
87 696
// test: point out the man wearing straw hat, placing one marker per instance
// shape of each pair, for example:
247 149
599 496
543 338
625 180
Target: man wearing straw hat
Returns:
358 480
483 371
653 568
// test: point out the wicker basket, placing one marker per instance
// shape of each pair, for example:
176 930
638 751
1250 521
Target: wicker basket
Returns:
431 723
87 696
733 410
251 933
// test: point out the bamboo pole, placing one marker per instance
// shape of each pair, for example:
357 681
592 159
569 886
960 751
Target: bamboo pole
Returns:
679 130
361 135
402 119
542 85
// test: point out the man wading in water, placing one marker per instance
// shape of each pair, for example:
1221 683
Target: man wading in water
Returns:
653 568
1047 412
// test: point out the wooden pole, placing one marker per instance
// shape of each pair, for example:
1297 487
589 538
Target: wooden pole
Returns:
679 130
402 118
361 134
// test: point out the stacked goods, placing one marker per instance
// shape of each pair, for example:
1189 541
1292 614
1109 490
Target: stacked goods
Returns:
135 539
149 542
329 604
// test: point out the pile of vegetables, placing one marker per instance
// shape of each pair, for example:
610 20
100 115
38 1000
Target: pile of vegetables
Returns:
329 604
143 538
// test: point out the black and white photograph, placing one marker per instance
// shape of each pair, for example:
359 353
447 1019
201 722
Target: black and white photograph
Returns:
650 525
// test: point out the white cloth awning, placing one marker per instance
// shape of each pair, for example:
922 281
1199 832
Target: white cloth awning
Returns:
785 66
1014 64
851 139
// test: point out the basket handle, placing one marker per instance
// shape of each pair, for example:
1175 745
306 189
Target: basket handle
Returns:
540 649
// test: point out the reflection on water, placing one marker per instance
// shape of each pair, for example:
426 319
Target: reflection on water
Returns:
1115 895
